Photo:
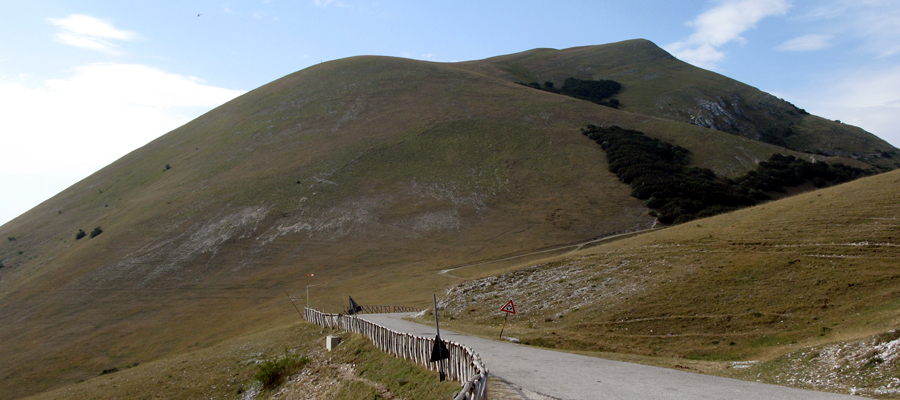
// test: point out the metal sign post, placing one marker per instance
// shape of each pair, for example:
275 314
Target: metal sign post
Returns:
509 308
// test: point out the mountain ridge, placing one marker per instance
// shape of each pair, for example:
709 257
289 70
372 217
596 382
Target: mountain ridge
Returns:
658 84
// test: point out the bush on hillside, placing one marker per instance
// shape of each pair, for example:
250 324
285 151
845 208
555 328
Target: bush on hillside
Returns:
80 234
96 232
271 373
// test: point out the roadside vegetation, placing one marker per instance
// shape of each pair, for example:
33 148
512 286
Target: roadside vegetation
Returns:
283 363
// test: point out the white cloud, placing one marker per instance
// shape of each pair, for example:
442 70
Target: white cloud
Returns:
57 134
87 32
720 25
869 99
875 22
807 43
83 123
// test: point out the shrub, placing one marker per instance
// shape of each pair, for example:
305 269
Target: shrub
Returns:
80 234
11 239
96 232
271 373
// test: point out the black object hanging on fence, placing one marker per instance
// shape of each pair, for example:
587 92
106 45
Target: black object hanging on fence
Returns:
440 350
438 353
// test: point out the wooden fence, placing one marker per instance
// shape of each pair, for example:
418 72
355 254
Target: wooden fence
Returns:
465 365
388 309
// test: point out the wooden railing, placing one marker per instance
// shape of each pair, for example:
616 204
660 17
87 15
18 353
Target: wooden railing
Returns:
388 309
465 365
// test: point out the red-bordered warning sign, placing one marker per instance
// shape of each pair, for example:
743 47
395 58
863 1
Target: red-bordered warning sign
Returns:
509 308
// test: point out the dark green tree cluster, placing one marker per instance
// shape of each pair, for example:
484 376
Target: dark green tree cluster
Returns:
658 174
595 91
598 91
788 171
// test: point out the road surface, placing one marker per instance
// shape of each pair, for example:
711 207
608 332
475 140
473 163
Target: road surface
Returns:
546 374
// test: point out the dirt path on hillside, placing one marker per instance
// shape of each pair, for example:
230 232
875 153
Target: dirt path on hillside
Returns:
575 247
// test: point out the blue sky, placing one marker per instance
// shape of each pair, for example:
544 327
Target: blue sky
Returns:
84 82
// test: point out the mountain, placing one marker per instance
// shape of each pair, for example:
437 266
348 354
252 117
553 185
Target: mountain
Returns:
370 173
660 85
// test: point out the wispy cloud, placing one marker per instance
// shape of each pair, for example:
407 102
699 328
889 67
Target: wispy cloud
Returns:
722 24
326 3
807 43
87 32
876 23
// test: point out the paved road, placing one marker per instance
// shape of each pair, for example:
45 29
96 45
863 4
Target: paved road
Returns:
546 374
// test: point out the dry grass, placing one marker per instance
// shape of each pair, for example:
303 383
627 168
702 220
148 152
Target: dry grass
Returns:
354 370
751 285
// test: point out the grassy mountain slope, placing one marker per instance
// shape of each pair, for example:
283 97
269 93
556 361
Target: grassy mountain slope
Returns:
355 369
655 83
371 173
754 284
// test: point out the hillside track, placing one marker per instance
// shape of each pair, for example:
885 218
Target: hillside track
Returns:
572 247
545 374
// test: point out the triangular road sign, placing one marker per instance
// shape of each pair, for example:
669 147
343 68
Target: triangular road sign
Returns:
440 351
509 308
354 308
